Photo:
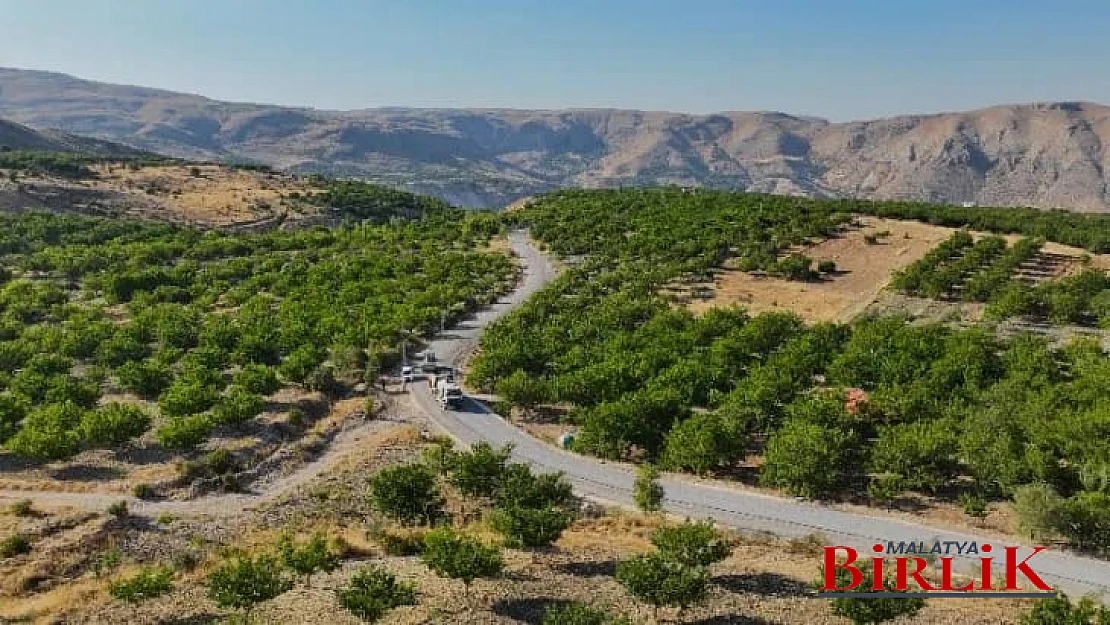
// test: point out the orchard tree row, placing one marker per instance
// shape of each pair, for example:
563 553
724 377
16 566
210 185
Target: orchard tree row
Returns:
204 325
961 268
953 413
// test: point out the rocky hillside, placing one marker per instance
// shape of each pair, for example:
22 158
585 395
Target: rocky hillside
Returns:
15 137
1049 155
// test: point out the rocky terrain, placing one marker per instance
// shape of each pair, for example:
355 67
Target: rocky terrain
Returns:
1046 155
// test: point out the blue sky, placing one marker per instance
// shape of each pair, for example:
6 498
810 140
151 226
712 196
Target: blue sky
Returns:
852 59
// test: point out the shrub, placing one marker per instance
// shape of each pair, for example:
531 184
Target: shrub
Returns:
480 471
146 584
187 397
530 527
118 509
1036 506
580 614
143 491
1059 610
244 582
147 379
239 406
306 559
692 544
521 487
49 433
974 505
372 592
23 507
1084 519
184 432
401 544
406 493
649 492
450 554
301 362
863 611
215 463
12 412
808 459
660 581
113 424
826 266
14 545
258 379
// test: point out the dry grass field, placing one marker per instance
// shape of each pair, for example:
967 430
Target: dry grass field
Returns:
198 195
864 269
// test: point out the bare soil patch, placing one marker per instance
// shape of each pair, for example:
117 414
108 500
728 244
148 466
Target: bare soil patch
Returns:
863 270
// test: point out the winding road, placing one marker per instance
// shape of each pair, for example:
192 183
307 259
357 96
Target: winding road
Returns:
610 483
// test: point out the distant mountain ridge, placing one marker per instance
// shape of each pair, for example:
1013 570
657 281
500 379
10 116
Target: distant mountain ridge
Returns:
15 136
1047 155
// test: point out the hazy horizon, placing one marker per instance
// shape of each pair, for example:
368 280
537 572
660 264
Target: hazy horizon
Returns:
858 60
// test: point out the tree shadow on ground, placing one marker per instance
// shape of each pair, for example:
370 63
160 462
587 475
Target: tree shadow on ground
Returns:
732 619
86 473
529 610
206 618
764 584
597 568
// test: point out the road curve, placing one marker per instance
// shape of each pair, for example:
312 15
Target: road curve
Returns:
612 483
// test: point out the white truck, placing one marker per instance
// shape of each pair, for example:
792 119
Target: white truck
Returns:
428 362
448 393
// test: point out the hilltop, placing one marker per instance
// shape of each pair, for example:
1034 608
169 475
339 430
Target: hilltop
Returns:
1044 155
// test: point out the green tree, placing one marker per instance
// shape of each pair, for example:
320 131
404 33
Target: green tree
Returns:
188 397
258 379
530 527
407 493
1059 610
522 390
809 459
238 406
112 425
660 581
49 433
480 471
309 558
244 581
184 432
692 544
520 487
703 443
12 412
373 592
147 378
921 455
1084 519
868 611
648 492
450 554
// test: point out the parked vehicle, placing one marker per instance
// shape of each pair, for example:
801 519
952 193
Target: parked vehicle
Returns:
407 373
428 362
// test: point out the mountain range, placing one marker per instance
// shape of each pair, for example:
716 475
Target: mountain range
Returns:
1045 155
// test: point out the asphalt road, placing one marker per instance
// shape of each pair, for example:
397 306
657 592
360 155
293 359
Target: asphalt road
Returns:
612 483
